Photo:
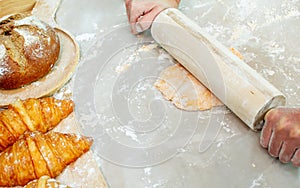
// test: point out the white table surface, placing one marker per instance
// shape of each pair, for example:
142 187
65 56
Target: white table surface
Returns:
187 149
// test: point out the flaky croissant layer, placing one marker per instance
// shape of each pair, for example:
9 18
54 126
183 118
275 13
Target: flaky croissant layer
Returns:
31 115
35 155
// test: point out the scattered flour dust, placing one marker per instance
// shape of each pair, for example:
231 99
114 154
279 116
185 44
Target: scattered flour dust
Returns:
122 67
134 57
148 47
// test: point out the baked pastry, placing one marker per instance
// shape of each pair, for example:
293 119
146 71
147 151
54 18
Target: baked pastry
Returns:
35 155
30 115
28 50
45 182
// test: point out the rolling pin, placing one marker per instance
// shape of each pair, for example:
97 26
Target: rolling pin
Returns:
246 93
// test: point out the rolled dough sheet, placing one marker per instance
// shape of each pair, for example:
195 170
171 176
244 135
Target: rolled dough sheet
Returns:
184 90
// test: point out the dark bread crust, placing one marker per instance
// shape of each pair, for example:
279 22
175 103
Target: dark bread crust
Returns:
28 50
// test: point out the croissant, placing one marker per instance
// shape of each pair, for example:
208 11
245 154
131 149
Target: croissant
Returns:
36 154
45 182
31 114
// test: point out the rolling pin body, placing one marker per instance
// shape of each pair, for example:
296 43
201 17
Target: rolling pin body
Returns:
236 84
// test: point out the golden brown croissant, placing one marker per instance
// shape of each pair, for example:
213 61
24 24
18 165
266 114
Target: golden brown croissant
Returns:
31 114
36 154
45 182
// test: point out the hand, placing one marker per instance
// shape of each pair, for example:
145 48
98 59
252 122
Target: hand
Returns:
281 134
141 13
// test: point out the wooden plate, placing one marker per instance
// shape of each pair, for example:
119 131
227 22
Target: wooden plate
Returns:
63 68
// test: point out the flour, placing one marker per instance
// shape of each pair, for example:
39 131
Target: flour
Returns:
3 58
31 20
28 37
2 51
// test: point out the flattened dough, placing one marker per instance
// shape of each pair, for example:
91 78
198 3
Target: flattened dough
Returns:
184 90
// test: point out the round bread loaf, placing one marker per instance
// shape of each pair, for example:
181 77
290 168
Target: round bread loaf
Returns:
28 50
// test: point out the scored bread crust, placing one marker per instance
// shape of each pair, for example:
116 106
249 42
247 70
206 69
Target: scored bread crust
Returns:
29 48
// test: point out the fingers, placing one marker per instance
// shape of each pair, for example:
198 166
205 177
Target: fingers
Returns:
136 12
280 135
142 13
286 153
275 145
128 8
146 20
266 135
296 158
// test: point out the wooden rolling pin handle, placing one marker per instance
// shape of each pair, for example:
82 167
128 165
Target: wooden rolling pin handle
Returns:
235 83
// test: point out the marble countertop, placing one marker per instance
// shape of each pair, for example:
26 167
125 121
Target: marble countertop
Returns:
143 141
